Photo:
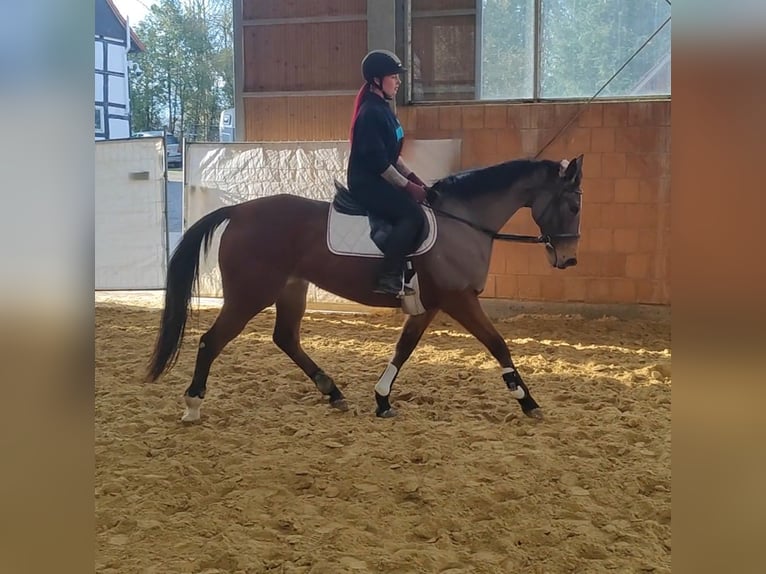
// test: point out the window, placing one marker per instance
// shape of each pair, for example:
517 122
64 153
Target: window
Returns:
537 49
443 50
99 120
507 49
576 64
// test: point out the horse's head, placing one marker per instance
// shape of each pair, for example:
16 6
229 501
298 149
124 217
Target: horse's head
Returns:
556 210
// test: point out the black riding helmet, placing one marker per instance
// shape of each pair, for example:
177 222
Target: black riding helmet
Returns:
380 63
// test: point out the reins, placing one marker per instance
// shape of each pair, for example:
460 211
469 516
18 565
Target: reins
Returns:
494 234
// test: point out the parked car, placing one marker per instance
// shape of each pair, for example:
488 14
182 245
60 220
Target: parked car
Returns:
172 146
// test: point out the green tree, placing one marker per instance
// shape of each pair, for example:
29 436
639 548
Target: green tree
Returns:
586 41
187 77
507 49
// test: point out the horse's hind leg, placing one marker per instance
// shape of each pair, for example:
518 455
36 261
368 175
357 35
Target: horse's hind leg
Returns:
413 330
466 310
229 323
291 305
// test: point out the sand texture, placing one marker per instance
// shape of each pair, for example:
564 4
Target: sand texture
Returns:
272 480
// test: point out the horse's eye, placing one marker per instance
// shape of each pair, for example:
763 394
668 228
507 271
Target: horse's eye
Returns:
574 208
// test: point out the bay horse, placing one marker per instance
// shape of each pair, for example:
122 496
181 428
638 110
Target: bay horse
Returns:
273 247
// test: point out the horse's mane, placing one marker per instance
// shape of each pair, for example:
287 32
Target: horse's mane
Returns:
493 178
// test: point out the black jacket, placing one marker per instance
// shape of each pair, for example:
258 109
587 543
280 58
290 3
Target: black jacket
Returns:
376 143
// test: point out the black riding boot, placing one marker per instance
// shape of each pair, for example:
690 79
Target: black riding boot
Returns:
392 284
391 280
403 235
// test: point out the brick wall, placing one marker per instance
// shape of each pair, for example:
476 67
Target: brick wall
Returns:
624 254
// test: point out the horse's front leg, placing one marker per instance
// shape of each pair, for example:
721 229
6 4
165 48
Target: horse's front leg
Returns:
465 308
413 330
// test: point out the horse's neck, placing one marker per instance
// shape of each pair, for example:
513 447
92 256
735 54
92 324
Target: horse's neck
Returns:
491 210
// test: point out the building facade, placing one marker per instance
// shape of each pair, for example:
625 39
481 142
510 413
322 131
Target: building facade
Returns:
114 40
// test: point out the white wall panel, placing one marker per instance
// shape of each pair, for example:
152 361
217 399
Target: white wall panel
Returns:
130 230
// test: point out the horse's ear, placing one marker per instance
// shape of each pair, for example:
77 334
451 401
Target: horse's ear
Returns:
572 170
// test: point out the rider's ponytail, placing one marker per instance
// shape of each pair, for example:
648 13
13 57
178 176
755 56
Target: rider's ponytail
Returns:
355 113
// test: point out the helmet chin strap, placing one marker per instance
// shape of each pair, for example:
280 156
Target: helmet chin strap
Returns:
379 86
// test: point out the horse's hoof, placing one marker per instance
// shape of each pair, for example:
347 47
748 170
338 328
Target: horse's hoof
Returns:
387 414
339 404
536 414
190 417
191 414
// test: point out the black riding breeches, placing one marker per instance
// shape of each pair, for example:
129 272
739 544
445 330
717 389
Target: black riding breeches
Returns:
398 208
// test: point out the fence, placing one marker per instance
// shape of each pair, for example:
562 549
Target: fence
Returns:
217 174
138 211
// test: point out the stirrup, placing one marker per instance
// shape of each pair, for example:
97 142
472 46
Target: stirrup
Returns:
392 285
404 291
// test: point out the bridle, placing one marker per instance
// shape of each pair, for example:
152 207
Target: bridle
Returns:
546 238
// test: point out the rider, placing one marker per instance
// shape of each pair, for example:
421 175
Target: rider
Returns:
377 177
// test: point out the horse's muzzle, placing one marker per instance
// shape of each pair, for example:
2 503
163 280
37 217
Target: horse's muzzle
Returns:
568 262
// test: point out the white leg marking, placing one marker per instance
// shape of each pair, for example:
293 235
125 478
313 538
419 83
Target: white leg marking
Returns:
191 414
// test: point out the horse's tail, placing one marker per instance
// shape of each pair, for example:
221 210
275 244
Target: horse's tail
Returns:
183 275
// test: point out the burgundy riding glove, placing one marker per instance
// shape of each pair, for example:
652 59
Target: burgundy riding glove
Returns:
415 179
418 192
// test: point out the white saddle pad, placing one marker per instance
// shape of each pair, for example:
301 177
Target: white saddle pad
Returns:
350 234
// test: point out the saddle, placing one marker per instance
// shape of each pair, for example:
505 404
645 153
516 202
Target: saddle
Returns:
353 231
351 228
